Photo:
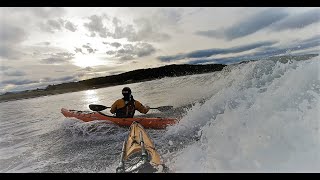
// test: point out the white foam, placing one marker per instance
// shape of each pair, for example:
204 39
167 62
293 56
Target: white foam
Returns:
269 123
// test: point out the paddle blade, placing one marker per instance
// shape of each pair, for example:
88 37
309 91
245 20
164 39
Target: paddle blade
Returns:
97 107
165 108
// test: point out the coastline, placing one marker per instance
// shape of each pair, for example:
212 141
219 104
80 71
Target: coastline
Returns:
135 76
140 75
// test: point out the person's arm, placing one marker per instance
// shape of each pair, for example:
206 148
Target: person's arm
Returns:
141 108
114 107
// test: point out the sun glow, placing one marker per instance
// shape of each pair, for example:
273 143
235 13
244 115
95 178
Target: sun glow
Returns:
90 97
87 61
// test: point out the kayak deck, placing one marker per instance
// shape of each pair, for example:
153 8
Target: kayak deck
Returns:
139 153
146 122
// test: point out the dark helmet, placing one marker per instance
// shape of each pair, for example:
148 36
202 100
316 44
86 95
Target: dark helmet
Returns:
126 92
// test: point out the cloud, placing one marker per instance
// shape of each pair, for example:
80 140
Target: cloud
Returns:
41 12
129 51
115 44
298 20
52 25
78 50
19 81
87 68
141 29
14 73
211 52
44 43
126 57
58 58
264 52
248 26
70 26
64 78
96 26
10 34
111 52
169 15
44 12
10 38
9 51
145 31
89 49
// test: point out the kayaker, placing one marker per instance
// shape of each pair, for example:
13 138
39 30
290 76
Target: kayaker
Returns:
126 106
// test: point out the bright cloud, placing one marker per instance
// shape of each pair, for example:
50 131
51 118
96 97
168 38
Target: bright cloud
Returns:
48 45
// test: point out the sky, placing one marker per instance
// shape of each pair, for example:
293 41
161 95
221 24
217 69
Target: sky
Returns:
40 46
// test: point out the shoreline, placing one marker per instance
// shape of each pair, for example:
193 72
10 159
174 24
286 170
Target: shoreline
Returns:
135 76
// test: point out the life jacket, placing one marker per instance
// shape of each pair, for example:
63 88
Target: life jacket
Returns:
128 110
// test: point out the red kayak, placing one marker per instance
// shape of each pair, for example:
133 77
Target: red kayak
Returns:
146 122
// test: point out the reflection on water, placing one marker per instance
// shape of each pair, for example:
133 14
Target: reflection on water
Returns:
91 97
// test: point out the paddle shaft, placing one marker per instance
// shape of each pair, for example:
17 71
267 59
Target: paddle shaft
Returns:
96 107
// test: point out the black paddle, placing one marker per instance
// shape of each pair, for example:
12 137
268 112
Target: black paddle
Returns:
97 107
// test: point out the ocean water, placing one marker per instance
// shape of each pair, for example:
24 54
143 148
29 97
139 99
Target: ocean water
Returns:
261 116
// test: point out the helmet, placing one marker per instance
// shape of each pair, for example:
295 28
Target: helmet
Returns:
126 92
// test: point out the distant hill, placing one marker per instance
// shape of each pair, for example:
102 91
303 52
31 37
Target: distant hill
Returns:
135 76
124 78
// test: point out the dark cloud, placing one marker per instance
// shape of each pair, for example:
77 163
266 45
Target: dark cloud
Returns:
264 52
298 46
129 51
70 26
78 50
46 43
121 31
211 52
144 49
96 26
248 26
10 38
58 58
111 52
126 57
115 44
89 49
298 20
145 31
10 34
52 25
55 24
